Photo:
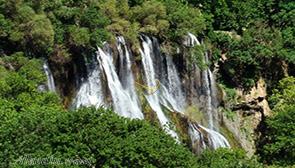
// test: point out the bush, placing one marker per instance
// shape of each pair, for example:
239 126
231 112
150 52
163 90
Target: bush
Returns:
227 158
24 76
79 36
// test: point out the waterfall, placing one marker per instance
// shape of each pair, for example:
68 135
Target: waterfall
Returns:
50 79
207 87
208 83
196 136
123 103
158 70
211 96
215 139
211 139
170 92
125 71
174 86
90 92
124 97
150 79
191 40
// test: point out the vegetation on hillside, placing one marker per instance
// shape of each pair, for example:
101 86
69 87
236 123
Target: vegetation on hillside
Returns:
277 144
69 28
249 39
62 30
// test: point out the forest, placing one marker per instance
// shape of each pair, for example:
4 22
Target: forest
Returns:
246 41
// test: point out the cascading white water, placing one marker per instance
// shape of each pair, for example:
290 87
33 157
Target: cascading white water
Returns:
126 75
50 79
150 79
174 87
207 86
90 92
211 98
123 104
207 81
124 96
170 92
191 40
216 139
196 135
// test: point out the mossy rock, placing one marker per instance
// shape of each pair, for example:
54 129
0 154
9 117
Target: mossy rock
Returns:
195 114
234 143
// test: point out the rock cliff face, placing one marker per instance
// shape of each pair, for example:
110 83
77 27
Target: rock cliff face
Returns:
250 111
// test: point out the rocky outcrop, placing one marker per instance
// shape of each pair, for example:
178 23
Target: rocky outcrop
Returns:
249 112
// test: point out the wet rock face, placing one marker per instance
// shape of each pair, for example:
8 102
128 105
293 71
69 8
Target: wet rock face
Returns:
197 137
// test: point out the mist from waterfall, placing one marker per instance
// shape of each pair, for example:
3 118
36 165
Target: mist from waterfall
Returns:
50 79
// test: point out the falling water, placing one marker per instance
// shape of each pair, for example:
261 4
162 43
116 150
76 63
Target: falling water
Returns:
90 92
215 139
196 136
211 97
191 40
174 87
170 92
207 87
50 79
211 139
157 68
208 82
123 103
150 77
126 75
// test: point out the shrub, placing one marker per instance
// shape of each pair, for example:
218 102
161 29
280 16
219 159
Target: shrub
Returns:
227 158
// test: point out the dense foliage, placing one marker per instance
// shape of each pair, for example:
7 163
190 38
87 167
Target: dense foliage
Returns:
229 158
250 36
100 136
69 28
278 141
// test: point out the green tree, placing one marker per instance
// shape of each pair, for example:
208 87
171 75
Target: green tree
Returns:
152 17
79 36
277 146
